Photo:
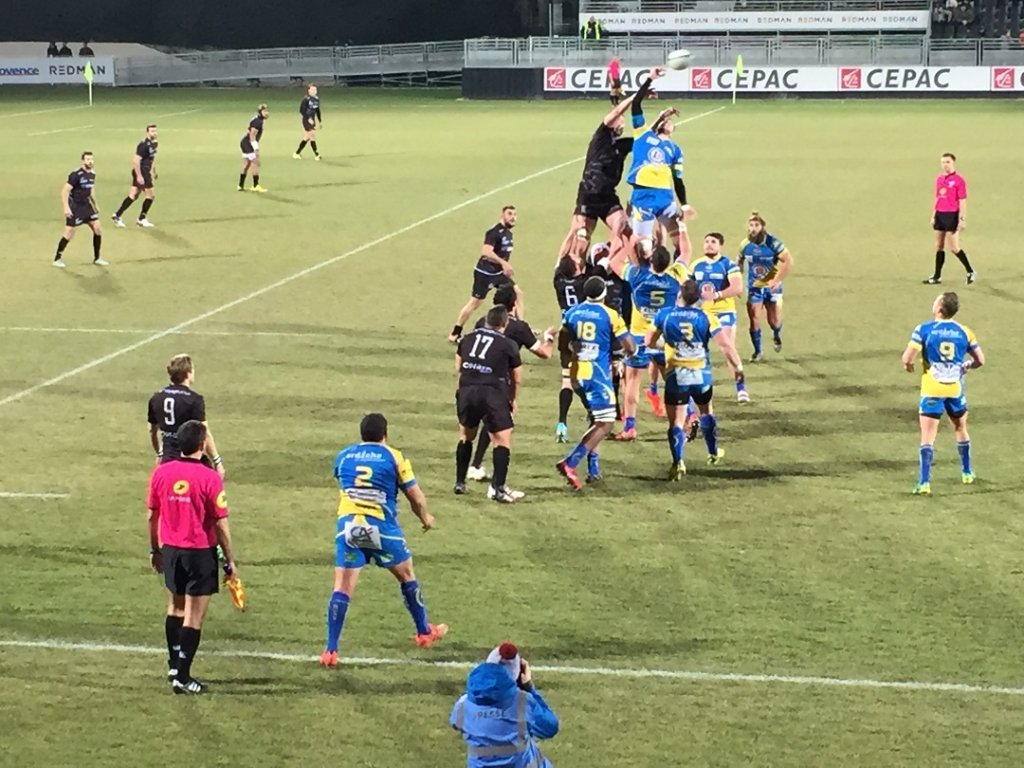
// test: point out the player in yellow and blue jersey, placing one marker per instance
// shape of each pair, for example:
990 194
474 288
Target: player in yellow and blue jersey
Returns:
720 282
948 350
593 328
370 474
770 262
656 176
687 331
653 286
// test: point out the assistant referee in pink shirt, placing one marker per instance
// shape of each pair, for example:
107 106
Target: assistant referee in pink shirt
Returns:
188 518
949 217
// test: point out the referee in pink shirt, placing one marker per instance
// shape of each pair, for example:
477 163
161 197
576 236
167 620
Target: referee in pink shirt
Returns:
188 518
949 217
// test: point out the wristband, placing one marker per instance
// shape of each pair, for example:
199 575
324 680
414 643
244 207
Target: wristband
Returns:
153 551
217 460
548 338
159 454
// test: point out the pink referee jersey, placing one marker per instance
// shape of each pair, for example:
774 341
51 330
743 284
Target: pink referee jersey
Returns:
950 189
189 499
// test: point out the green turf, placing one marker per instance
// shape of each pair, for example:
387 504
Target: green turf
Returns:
803 554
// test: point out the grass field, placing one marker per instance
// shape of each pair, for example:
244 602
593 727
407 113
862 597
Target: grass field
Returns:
802 556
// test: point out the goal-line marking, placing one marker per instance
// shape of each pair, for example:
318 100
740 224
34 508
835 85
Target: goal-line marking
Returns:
295 276
628 673
28 495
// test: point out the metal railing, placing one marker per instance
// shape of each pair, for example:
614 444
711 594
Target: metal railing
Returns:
400 63
782 50
738 6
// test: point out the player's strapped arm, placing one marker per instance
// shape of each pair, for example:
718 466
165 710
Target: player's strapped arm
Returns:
734 289
211 451
65 191
544 346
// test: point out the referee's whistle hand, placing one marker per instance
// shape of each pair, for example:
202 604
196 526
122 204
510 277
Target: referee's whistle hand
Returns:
156 560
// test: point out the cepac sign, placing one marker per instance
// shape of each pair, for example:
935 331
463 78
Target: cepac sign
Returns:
763 79
588 79
60 71
914 79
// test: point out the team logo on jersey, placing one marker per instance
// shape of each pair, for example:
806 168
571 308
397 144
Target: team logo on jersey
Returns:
222 501
181 487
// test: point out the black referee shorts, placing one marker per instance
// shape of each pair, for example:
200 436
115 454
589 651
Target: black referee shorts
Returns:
191 571
946 221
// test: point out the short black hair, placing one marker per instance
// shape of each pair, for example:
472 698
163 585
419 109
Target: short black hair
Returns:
496 317
690 292
951 156
594 287
718 236
87 152
373 428
507 208
505 296
151 125
566 267
950 304
661 259
191 436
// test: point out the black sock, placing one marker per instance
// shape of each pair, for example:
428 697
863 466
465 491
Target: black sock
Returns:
302 146
315 150
146 205
256 180
456 330
940 259
616 382
241 179
482 444
125 205
964 260
96 240
463 452
60 248
502 456
172 629
564 401
187 653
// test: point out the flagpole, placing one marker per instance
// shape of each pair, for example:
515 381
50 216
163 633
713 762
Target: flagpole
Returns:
90 94
736 77
89 76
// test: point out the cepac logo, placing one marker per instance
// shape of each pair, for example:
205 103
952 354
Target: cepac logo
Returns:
700 79
554 78
1002 78
849 79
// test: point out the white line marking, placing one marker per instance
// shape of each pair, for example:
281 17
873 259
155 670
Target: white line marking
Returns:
175 114
20 495
46 111
295 276
139 331
637 674
61 130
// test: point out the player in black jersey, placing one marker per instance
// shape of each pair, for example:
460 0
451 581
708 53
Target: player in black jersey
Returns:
80 208
602 171
250 145
519 332
568 283
171 407
490 376
143 175
310 111
492 268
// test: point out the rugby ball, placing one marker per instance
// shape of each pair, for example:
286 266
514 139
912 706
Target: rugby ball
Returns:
679 59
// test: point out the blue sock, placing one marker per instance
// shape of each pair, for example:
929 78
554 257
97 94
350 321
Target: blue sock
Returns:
337 607
593 464
414 602
653 388
709 426
676 442
630 423
927 454
691 409
755 337
578 454
964 449
777 332
740 386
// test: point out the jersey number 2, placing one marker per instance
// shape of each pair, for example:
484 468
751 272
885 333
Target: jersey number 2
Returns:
364 476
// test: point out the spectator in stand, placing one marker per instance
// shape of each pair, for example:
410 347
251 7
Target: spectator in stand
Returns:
64 51
592 30
51 51
85 50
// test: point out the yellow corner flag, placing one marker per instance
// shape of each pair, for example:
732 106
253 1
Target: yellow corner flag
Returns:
88 74
737 75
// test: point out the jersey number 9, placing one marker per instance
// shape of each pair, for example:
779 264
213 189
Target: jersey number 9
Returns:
947 350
